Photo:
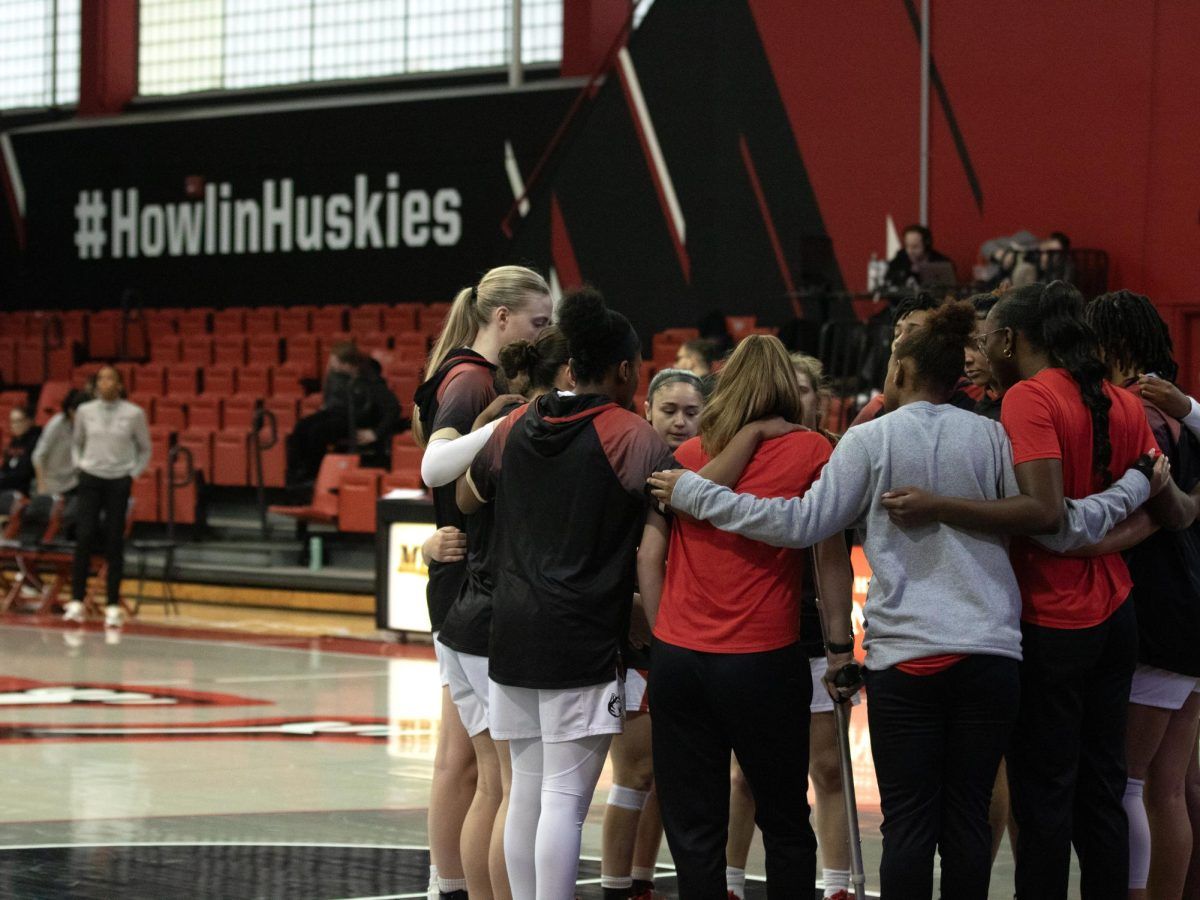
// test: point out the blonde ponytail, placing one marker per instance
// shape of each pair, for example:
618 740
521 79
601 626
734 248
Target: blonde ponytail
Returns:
508 286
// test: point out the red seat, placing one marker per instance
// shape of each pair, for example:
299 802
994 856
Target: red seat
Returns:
406 459
231 459
161 438
404 387
310 404
229 321
11 400
161 323
197 349
329 319
254 380
297 320
324 506
370 341
275 461
262 321
262 348
367 318
205 412
147 402
400 319
183 379
400 480
229 349
200 442
103 330
171 411
8 360
220 381
167 349
412 345
286 382
357 493
239 412
195 321
31 360
146 493
150 378
50 399
285 410
328 339
302 352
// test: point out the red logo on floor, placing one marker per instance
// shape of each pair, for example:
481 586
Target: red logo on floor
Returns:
26 692
350 728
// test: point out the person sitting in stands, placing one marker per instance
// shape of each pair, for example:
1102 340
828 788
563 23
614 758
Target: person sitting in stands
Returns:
698 357
904 269
52 464
354 392
17 473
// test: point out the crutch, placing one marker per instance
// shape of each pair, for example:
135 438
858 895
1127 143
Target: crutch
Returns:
848 676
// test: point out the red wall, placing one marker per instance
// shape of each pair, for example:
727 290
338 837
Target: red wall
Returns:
1077 117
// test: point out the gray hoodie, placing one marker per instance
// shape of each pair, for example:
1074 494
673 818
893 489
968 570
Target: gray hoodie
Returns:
935 589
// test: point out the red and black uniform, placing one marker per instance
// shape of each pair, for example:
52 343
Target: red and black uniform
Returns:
568 475
468 624
449 403
730 674
1166 566
1079 639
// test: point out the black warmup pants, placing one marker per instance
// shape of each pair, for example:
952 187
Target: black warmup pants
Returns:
307 443
1067 769
756 704
937 742
95 496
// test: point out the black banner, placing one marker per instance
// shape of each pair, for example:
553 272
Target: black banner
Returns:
322 204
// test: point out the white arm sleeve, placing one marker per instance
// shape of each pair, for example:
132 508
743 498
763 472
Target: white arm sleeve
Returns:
446 459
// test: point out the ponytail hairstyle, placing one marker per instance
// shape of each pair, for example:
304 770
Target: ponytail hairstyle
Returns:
757 382
1132 334
1051 318
599 338
937 349
507 286
539 360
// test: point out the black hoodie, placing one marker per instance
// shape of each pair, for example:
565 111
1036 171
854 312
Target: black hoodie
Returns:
568 476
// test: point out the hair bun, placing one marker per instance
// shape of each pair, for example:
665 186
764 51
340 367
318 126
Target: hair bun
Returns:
516 358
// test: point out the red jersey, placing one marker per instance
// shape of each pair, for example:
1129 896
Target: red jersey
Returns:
728 594
1046 419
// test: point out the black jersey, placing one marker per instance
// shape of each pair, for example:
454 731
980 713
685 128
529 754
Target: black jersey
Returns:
568 477
449 402
1166 566
468 624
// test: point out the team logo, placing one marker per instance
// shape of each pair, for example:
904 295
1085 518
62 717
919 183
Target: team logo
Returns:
26 692
616 706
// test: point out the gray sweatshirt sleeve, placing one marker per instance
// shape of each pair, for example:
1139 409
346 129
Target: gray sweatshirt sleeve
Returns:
1088 521
141 443
836 500
78 439
48 436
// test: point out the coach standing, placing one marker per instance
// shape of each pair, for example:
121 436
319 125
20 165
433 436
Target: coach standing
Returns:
111 447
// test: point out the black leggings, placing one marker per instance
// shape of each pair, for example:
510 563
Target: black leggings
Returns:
93 496
937 742
756 704
1067 769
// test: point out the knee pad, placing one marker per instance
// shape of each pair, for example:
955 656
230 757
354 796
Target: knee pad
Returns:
627 798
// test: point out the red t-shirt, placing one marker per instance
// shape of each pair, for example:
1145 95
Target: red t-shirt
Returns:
1045 419
727 594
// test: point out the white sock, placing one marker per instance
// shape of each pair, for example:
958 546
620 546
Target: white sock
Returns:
449 885
835 880
433 883
735 881
642 874
1139 834
616 882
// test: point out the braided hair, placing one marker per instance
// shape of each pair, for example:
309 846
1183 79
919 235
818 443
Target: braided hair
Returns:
1132 333
1051 318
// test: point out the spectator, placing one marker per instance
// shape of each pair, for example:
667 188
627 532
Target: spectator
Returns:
110 446
1023 259
698 357
17 473
354 392
904 269
52 464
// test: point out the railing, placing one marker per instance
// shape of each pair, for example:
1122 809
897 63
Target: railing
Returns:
177 484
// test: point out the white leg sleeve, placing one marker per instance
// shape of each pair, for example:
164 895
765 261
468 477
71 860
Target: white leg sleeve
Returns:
1139 834
524 809
571 770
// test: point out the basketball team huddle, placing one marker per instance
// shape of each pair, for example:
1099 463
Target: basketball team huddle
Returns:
671 587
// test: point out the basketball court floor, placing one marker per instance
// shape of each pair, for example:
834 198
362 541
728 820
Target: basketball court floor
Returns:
204 762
